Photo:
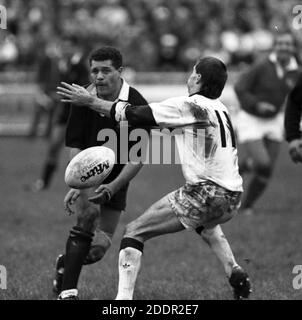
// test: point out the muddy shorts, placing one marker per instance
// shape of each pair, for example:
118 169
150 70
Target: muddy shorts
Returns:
204 204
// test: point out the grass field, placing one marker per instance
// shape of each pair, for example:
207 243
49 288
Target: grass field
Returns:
34 228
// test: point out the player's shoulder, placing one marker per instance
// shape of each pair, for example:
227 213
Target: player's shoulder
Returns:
203 101
209 104
135 97
178 102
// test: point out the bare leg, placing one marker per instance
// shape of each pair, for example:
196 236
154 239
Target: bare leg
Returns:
217 241
157 220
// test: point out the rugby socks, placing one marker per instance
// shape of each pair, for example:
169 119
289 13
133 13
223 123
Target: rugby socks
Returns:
254 191
47 172
217 241
131 251
77 248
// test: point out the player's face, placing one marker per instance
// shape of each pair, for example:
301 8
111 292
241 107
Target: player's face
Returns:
106 78
193 82
284 46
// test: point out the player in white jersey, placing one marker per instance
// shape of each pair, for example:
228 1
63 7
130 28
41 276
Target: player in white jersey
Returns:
217 159
211 194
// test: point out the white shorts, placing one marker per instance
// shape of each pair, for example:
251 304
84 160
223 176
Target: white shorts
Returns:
250 128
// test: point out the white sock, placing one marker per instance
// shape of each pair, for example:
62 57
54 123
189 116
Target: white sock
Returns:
220 246
129 265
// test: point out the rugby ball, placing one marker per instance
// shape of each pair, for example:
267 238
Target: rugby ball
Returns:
90 167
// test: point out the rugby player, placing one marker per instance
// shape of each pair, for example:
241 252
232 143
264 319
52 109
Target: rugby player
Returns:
293 113
97 210
262 90
213 188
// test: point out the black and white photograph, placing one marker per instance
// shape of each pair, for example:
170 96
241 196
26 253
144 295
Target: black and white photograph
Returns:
150 150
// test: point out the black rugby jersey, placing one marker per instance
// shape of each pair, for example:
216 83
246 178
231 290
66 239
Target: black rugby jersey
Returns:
293 112
84 126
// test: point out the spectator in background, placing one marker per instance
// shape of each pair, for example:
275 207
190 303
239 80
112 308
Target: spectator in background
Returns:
8 50
244 25
48 77
73 69
261 91
168 56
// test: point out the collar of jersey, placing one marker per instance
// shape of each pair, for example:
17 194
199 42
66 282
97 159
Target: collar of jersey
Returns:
123 95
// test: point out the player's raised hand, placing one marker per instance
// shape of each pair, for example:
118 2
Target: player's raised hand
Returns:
104 194
70 199
295 150
74 94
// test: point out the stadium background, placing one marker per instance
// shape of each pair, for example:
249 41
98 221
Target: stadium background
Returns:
160 41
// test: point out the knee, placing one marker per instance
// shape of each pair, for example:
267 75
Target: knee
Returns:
211 235
101 244
207 235
86 218
102 240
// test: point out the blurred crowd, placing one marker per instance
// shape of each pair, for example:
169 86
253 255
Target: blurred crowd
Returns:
153 35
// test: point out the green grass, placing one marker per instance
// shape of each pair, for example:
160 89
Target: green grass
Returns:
34 228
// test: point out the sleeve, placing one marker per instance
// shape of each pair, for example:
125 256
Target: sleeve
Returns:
137 116
135 98
75 130
174 112
293 112
245 86
168 112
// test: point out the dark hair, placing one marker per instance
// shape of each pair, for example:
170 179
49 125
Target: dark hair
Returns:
107 53
213 76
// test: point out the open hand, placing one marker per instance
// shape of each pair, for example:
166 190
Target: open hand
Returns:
70 198
74 94
104 194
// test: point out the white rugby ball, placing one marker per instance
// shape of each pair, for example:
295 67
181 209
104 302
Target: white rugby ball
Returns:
90 167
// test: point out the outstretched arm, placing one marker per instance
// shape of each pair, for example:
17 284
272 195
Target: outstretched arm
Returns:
79 96
170 113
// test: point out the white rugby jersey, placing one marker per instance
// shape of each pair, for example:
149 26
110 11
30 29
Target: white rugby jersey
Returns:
206 154
206 144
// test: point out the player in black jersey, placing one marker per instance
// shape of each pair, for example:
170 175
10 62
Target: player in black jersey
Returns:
99 213
293 113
